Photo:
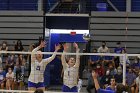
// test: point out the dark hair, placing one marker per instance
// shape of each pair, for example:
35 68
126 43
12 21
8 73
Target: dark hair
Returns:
18 46
19 43
4 42
120 88
39 91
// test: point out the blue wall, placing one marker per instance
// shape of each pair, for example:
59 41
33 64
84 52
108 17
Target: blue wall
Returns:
3 4
135 5
18 4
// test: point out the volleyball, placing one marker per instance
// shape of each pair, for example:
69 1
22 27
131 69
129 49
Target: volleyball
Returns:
86 37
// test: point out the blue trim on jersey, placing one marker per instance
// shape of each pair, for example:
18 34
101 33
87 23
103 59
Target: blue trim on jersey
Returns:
104 91
36 85
67 89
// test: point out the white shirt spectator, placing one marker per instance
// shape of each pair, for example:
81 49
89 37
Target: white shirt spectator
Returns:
121 60
8 75
103 50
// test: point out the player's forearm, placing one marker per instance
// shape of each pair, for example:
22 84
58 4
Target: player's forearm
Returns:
77 51
97 86
77 57
52 57
36 49
63 57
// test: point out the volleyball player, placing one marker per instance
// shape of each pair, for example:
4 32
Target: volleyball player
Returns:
71 69
120 88
38 65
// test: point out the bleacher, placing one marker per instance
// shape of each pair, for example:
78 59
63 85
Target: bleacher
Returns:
26 26
111 27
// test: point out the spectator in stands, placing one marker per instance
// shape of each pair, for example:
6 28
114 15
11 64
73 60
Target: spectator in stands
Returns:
2 78
107 60
112 85
105 80
117 50
18 73
103 48
19 46
10 79
138 83
127 68
112 69
10 61
130 77
121 58
136 65
4 47
99 70
119 75
94 59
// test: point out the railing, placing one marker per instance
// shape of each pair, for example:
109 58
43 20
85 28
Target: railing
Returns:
82 6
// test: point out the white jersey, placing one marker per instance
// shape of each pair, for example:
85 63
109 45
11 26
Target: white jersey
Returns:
70 77
38 68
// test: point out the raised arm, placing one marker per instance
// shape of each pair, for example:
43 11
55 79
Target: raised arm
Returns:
77 56
57 47
94 75
63 57
33 57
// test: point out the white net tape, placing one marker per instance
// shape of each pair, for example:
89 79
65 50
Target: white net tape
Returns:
60 53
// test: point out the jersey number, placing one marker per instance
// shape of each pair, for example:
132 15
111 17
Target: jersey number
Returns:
38 68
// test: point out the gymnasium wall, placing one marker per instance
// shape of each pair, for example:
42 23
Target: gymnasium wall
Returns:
26 26
111 27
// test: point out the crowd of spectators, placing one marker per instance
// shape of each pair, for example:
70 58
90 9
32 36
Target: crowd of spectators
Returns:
13 66
110 69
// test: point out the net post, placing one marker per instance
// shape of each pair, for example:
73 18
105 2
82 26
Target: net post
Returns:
124 69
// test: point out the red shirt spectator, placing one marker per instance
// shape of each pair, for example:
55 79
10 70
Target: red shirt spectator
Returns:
99 70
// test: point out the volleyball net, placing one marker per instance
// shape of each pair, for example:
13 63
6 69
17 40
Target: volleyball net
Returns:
88 61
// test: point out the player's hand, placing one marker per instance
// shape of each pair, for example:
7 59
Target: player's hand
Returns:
65 46
75 45
94 75
42 44
57 47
